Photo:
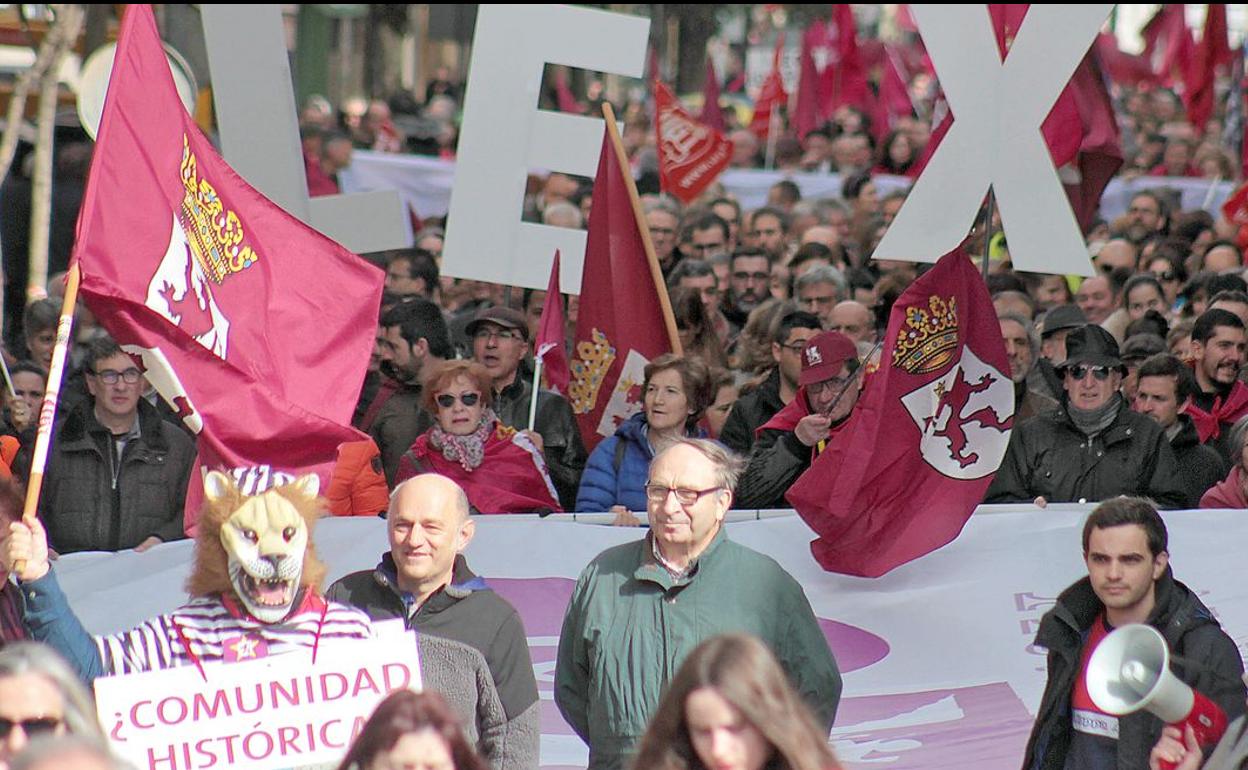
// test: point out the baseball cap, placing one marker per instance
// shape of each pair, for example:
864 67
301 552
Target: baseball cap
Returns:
825 356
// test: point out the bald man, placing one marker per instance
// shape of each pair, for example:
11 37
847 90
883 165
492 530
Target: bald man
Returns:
425 580
853 319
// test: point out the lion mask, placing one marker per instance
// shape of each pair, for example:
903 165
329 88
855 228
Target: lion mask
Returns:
257 547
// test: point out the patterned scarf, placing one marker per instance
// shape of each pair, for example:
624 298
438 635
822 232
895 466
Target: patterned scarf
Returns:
1093 422
468 451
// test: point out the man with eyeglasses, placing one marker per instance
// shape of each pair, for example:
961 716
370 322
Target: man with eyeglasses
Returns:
500 343
1092 448
790 441
749 280
117 473
639 608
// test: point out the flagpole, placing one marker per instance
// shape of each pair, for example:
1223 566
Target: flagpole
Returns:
1213 190
669 320
43 438
988 209
537 386
773 131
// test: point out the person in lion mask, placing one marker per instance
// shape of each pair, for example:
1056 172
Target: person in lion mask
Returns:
255 590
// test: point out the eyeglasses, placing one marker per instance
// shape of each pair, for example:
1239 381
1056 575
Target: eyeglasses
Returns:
834 383
1079 372
32 727
657 493
796 347
755 277
111 376
447 400
501 334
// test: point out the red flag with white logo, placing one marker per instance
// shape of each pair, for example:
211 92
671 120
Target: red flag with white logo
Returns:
621 324
901 478
254 326
548 347
691 155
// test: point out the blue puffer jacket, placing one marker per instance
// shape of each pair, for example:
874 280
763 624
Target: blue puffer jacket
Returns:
607 482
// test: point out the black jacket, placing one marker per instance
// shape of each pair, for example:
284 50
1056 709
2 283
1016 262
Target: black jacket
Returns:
466 611
83 507
1049 457
397 426
1200 466
751 412
561 438
1203 656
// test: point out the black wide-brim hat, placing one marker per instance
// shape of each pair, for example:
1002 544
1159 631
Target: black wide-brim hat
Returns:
1091 346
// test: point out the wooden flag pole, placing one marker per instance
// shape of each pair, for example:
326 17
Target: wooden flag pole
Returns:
656 272
537 386
43 438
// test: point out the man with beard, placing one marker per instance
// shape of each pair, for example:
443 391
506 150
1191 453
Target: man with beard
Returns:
791 440
1217 348
413 334
1094 447
1146 215
1021 347
749 279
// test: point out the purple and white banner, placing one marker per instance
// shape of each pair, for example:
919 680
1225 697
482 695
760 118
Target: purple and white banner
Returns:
939 669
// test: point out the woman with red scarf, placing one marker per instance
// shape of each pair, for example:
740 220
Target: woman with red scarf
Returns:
500 469
1233 492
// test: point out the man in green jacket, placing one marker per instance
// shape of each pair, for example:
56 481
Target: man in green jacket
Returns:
638 609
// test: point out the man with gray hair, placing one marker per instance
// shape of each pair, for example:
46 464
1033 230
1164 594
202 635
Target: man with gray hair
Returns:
1022 347
425 580
639 608
819 290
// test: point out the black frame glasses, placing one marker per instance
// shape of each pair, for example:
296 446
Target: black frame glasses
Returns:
111 376
447 400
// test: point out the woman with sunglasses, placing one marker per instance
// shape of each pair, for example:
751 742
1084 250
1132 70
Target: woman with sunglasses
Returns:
500 469
676 392
40 695
731 707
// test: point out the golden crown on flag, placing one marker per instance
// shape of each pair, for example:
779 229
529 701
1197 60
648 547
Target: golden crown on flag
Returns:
593 358
214 234
928 337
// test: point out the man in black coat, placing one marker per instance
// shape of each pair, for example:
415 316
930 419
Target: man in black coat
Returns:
1129 581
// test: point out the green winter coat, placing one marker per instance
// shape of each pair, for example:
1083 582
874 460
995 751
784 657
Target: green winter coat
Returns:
629 626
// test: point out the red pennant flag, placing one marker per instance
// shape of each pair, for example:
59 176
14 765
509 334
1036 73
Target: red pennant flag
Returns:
926 437
846 75
549 345
691 155
712 115
206 281
621 325
770 97
808 111
1236 212
894 101
1213 51
1168 44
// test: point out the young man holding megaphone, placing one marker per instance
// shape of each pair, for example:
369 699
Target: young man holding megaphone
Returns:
1129 581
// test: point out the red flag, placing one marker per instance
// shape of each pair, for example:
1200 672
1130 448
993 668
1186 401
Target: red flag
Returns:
770 97
1236 212
1213 51
1168 44
691 155
548 347
712 115
808 111
1122 67
894 101
927 436
845 75
620 326
201 276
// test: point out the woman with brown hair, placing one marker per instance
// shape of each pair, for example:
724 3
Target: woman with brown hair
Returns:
695 327
731 707
412 730
500 469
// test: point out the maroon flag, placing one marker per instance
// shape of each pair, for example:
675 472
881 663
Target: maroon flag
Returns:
712 115
808 110
1236 212
205 282
1168 44
1212 52
691 155
1122 67
621 325
770 97
927 436
845 75
548 347
894 101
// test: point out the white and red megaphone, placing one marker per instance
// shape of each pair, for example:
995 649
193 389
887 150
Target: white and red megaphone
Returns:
1130 670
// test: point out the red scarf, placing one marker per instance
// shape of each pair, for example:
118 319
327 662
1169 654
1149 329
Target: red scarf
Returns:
511 479
1209 424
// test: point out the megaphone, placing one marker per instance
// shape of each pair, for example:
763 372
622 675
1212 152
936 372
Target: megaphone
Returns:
1130 670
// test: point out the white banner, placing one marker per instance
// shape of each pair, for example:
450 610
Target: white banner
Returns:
937 657
274 712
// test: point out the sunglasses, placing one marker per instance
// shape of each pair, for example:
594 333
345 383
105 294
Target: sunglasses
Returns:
1099 372
32 727
447 400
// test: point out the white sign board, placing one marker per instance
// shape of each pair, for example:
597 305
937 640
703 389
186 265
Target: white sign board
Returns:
995 137
503 136
273 712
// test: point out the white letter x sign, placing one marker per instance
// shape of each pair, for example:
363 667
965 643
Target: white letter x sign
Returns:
995 137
